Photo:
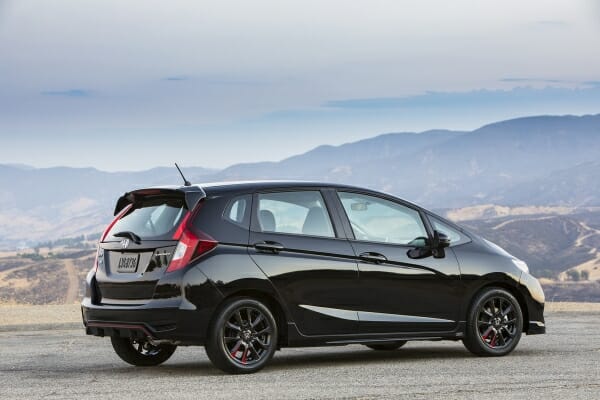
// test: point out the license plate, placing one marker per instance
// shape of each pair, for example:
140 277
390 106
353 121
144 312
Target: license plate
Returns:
128 263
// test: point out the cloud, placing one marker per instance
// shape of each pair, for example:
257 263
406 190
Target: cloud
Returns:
553 23
517 80
476 98
218 80
176 78
68 93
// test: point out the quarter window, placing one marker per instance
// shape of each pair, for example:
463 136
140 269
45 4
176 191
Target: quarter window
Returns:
455 236
378 220
238 210
298 212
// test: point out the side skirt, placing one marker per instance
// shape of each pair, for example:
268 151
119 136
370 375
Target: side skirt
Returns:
297 339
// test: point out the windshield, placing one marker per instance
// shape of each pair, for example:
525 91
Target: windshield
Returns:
152 218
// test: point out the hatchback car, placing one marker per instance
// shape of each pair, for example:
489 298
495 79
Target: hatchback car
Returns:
247 268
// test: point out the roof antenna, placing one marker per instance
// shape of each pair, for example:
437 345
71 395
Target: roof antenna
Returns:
185 181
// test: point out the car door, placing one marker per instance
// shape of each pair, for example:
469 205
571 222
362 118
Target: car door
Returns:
295 243
398 291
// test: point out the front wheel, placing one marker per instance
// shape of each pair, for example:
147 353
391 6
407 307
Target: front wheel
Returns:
243 337
141 353
494 323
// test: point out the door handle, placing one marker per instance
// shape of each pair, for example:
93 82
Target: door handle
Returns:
373 257
269 246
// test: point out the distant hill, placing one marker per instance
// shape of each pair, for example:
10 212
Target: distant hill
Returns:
576 186
453 169
49 203
333 163
550 243
542 161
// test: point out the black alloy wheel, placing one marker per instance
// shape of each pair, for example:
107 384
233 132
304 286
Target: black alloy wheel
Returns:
141 353
495 323
243 338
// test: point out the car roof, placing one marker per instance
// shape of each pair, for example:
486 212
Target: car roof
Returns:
269 184
215 188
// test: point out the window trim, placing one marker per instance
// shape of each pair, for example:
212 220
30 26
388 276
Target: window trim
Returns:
255 225
348 226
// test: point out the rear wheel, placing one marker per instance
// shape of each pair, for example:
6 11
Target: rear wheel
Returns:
495 323
389 346
141 353
243 337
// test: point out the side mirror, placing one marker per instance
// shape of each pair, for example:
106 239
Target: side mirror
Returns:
440 242
421 248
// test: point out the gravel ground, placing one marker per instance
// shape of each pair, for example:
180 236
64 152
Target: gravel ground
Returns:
563 364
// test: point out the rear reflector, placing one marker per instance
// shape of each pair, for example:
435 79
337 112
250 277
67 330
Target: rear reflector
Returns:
191 245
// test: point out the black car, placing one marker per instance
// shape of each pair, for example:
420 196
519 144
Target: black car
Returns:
247 268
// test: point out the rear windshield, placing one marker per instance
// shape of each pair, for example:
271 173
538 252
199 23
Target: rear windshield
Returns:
152 218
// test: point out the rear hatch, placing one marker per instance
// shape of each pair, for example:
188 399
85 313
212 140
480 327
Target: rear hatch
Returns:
137 247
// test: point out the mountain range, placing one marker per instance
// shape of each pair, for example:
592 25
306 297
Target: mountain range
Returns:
541 160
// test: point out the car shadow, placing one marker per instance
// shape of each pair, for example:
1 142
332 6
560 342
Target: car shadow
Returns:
298 359
365 356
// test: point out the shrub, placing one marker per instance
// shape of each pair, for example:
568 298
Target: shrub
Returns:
585 275
573 275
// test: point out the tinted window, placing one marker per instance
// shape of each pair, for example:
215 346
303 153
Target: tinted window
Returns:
238 210
154 217
302 213
378 220
455 236
225 218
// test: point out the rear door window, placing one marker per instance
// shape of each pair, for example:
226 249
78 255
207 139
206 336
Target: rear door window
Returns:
152 218
297 212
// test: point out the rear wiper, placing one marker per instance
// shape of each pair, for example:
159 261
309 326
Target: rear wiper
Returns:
130 235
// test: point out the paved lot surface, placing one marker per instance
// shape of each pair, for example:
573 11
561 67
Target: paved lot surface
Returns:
563 364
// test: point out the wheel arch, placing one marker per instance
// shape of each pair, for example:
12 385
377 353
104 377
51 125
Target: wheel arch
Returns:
271 302
513 290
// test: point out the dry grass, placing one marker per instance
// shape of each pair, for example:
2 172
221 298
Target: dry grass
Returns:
13 314
486 211
572 307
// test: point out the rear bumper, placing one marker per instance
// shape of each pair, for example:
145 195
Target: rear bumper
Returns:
181 314
159 320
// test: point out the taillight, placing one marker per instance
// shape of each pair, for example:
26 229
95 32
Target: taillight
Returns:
191 245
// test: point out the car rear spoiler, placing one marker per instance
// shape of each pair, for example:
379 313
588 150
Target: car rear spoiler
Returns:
192 195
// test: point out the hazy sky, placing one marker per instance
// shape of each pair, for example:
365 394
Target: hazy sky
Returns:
122 85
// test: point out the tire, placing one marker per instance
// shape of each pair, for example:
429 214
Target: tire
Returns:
242 337
387 346
141 353
494 323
